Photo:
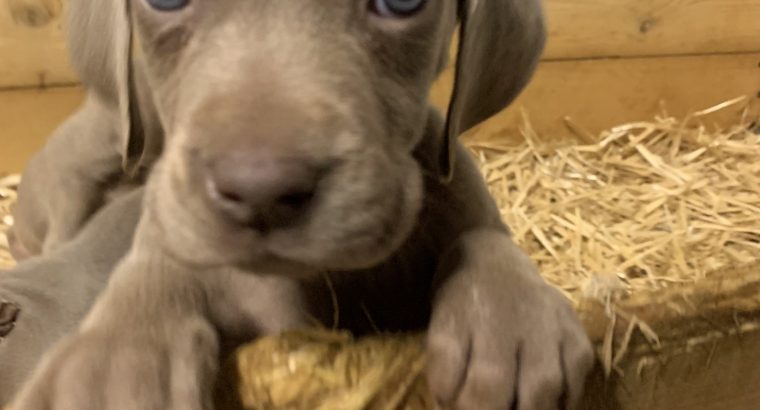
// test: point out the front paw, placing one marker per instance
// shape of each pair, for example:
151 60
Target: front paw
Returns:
170 367
501 338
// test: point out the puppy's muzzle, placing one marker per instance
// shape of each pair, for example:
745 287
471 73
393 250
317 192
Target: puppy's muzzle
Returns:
261 189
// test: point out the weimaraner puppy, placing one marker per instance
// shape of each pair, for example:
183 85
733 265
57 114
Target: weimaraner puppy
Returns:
45 297
302 165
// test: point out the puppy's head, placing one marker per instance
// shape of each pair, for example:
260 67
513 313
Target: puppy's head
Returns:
291 124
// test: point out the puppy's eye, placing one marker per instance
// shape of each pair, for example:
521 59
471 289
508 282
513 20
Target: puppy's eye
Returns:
168 5
396 8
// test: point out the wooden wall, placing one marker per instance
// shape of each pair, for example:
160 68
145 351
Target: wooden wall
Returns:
607 62
37 87
614 61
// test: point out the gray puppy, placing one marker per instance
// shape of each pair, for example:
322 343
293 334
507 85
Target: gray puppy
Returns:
45 297
301 162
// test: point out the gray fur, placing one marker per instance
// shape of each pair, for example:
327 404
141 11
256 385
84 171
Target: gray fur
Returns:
52 293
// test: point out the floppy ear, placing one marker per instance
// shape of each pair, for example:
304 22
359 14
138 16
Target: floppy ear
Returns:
500 42
100 40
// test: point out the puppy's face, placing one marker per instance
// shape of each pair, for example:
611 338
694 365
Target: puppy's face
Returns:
290 125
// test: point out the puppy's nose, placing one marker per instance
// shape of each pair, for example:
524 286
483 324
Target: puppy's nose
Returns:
262 191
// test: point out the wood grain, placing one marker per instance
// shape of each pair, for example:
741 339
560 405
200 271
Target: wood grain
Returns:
709 348
719 375
604 28
32 47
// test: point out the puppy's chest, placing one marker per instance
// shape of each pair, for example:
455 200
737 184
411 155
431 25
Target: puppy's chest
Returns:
394 296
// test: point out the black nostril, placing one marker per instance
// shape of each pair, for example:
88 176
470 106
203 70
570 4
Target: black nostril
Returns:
296 200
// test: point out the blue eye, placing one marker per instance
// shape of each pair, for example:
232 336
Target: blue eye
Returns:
396 8
168 5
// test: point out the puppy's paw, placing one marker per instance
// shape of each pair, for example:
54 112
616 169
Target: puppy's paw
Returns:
169 368
506 347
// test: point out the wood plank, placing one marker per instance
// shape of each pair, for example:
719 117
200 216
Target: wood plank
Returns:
32 46
709 335
602 93
721 374
27 118
604 28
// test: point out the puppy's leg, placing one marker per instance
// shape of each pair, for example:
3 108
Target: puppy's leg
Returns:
65 182
152 339
146 344
500 337
47 296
